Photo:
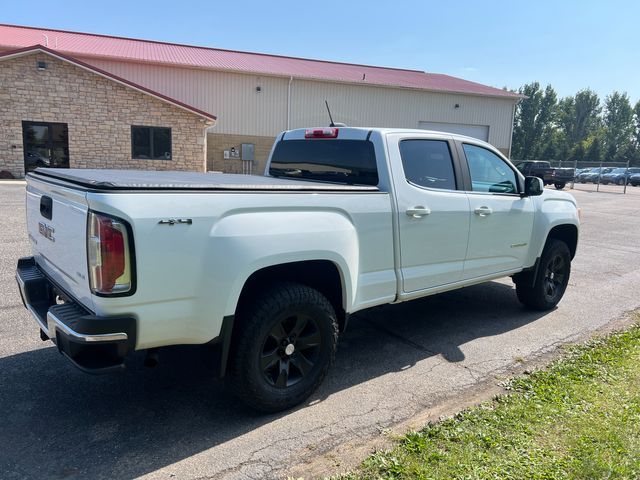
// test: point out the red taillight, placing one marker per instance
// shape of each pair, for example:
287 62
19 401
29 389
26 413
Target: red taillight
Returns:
321 133
108 255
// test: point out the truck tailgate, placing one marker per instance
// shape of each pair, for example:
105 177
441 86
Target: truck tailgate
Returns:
57 226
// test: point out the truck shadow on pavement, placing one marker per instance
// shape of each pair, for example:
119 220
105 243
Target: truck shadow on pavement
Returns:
61 423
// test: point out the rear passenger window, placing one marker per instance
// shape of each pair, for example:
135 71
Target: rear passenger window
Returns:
428 163
330 160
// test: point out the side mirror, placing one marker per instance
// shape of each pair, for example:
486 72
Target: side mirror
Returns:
533 186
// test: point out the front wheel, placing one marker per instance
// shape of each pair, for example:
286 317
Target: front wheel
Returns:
621 181
547 288
559 185
283 346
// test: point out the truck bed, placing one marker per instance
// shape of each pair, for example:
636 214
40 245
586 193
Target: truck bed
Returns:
107 180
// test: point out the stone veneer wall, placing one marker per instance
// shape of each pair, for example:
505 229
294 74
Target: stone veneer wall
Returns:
99 113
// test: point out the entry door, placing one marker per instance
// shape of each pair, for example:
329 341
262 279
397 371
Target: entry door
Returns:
501 220
45 145
433 213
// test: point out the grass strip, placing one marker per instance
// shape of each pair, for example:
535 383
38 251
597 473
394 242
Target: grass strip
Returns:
579 418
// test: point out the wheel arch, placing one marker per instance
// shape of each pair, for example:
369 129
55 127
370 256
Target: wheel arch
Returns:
567 233
323 275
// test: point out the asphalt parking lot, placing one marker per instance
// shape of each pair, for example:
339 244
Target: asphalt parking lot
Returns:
393 363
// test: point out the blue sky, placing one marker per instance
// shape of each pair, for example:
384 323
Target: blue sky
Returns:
570 44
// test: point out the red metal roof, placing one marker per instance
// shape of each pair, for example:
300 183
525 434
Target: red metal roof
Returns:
99 71
128 49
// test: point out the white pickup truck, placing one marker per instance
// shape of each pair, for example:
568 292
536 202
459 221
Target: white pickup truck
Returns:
272 266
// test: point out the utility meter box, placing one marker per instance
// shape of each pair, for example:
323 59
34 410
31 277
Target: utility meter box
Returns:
248 151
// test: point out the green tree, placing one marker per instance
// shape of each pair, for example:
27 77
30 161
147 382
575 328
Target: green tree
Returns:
636 113
594 150
578 116
555 148
618 126
545 122
578 153
533 122
628 153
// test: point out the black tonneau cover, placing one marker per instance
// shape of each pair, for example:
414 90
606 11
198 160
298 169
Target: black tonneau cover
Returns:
169 180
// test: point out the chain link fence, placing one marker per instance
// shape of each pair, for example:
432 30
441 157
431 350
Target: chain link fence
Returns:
592 176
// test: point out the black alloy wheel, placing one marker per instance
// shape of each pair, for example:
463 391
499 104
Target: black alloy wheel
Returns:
291 350
554 277
543 287
283 343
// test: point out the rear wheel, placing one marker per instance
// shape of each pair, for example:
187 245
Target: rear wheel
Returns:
547 288
559 185
621 181
285 343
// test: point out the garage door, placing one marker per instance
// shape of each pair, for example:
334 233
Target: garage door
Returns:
480 132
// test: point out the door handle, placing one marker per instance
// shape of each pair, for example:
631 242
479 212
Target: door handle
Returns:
418 212
483 211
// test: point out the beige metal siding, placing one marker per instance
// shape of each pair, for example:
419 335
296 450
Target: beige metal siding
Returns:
387 107
229 96
240 109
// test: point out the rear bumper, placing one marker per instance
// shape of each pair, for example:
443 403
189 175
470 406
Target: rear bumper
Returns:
93 344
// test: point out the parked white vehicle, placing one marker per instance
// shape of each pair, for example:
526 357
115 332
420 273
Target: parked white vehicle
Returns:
272 266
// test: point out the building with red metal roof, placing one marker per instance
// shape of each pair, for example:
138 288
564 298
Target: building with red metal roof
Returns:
256 95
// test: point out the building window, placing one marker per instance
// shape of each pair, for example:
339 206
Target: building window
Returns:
151 143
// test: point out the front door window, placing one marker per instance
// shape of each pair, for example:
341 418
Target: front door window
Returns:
45 145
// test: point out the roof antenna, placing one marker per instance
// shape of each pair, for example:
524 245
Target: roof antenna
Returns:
329 112
333 124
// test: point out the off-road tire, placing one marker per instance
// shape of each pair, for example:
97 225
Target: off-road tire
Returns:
261 388
537 293
559 185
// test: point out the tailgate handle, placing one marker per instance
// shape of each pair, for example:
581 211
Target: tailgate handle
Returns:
46 207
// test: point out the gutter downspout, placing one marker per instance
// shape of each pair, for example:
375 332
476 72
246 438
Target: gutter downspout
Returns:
207 126
289 103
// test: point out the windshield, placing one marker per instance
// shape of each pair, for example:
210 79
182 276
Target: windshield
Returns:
619 170
345 161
